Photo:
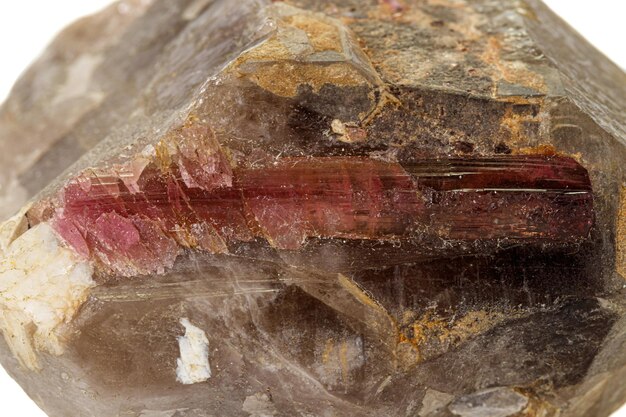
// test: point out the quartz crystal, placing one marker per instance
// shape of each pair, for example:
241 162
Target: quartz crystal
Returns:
316 208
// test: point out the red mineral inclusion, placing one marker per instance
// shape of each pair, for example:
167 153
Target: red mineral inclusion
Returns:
349 198
530 198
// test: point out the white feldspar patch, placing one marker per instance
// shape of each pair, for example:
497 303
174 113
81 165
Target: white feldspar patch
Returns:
42 285
193 364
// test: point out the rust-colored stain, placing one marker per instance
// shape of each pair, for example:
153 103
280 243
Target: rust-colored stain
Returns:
513 124
384 323
344 361
542 149
537 406
285 78
291 57
322 35
328 350
337 357
513 72
428 335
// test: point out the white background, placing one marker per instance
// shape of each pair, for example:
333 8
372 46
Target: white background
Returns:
26 26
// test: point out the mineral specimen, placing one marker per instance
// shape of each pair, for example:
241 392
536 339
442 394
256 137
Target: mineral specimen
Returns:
316 208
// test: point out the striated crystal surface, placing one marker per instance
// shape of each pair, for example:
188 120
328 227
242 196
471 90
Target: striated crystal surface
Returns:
316 208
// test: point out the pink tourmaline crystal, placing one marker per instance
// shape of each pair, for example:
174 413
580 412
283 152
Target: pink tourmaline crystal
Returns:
530 198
